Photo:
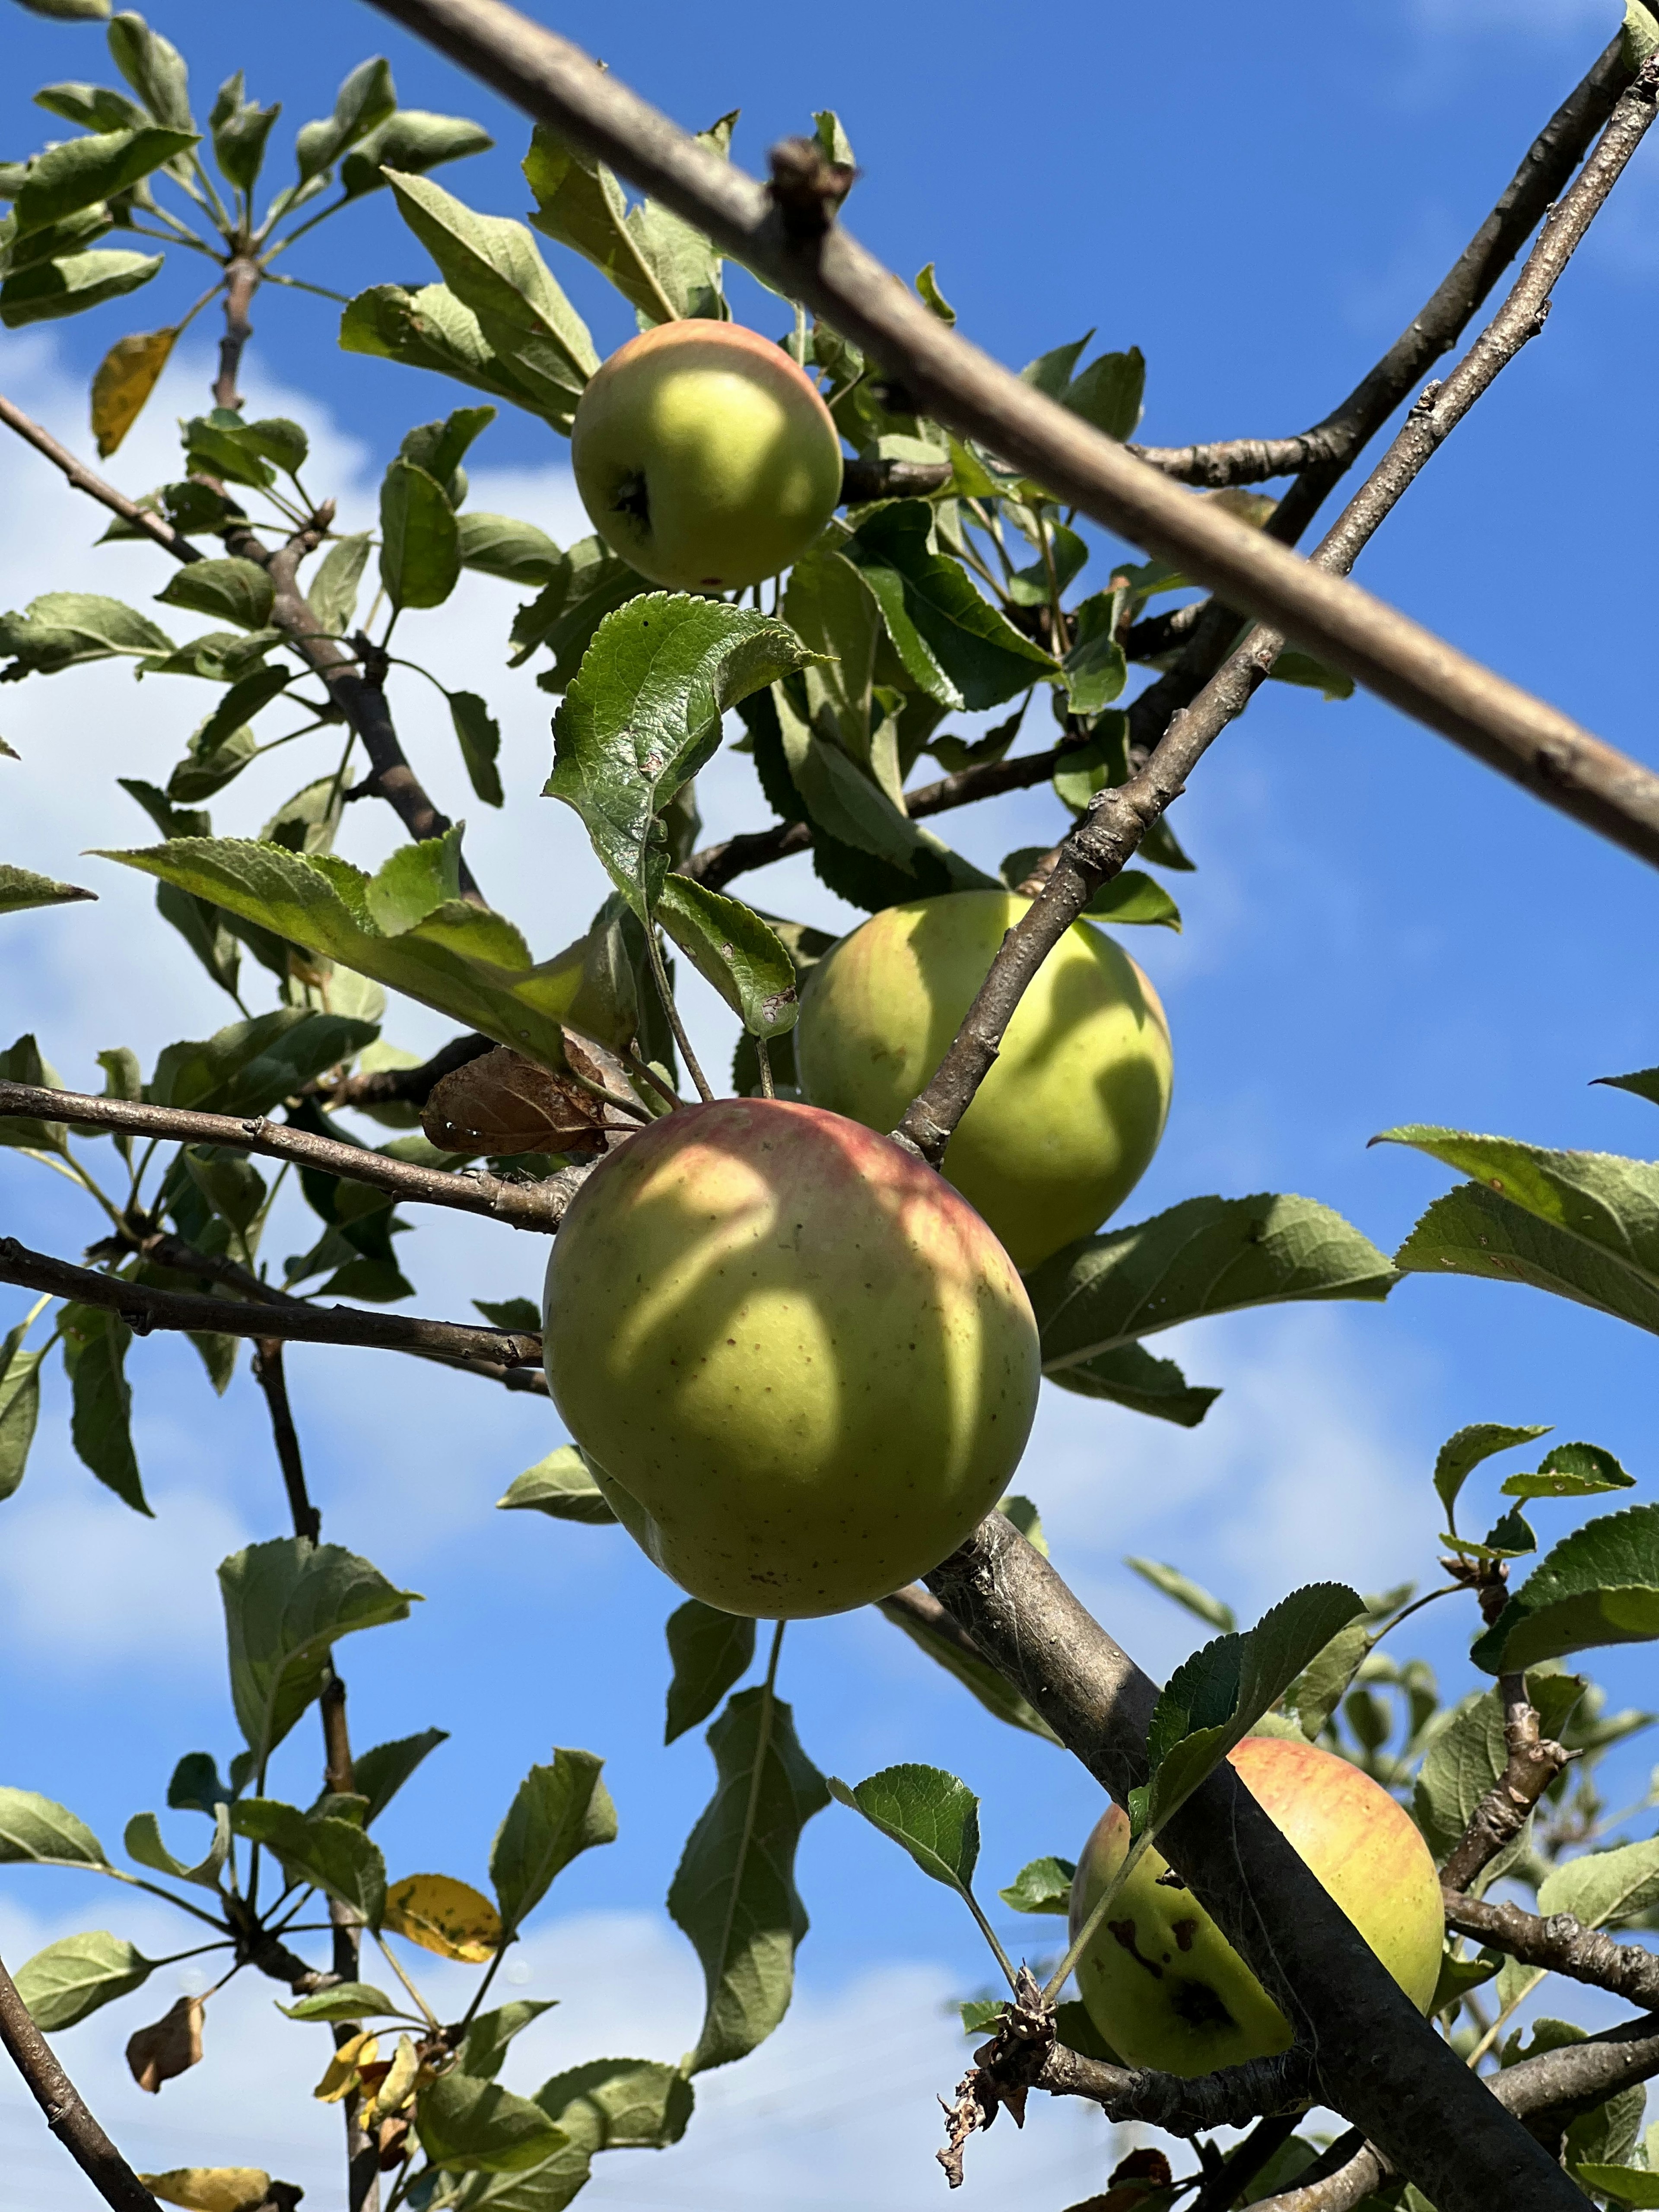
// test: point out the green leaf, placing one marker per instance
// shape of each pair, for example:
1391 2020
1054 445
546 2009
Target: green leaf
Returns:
1466 1756
1044 1886
95 1344
19 1406
731 947
467 962
734 1893
71 284
81 172
484 2045
248 1067
1097 667
411 142
1602 1889
1640 34
560 1486
993 1691
1108 392
926 1812
20 889
34 1830
1323 1683
22 1063
332 593
420 548
346 2001
1599 1586
143 1843
1132 1377
496 545
1206 1255
643 714
1633 2185
1213 1700
492 267
1186 1592
69 1979
1026 1518
235 591
286 1603
380 1772
430 328
1461 1453
154 69
1583 1224
580 203
1571 1471
219 445
1459 1975
1294 667
63 629
710 1650
955 646
619 2104
195 1786
365 100
592 583
71 11
559 1811
241 128
511 1313
472 2126
479 736
1645 1083
329 1853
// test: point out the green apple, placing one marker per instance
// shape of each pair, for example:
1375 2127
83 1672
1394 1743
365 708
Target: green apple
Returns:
801 1368
1063 1127
705 457
1164 1986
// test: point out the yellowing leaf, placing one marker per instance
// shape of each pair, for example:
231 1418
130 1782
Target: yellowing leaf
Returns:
341 2073
126 377
443 1916
210 2188
397 2088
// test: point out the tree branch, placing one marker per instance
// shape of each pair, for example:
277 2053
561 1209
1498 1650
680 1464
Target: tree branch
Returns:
1499 1819
65 2109
143 1309
965 389
1378 2062
862 481
84 479
402 1086
242 273
1561 1945
536 1206
1327 449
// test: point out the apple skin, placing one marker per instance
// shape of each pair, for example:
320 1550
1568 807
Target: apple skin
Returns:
801 1367
706 459
1064 1126
1161 1982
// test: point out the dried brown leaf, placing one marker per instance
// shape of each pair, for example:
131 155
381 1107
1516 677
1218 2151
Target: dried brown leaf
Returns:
505 1104
169 2047
125 379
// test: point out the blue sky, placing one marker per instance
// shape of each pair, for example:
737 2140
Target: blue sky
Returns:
1379 931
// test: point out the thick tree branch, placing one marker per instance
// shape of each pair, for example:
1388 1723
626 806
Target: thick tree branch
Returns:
861 481
1231 2098
143 1309
1324 452
84 479
965 389
66 2111
1499 1819
242 275
1378 2062
1561 1945
537 1206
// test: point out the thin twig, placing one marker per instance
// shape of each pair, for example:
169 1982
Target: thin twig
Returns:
65 2109
268 1373
538 1206
85 479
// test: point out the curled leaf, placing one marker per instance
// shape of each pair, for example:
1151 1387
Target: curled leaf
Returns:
503 1103
169 2047
123 381
211 2188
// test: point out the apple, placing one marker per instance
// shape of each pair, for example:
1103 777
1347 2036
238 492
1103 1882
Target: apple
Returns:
1063 1127
1164 1986
800 1366
706 459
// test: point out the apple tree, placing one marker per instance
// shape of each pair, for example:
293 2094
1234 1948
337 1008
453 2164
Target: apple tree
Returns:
797 1366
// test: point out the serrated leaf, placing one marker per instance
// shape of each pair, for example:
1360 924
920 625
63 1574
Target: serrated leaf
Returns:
1459 1975
1599 1586
143 1843
1601 1888
240 128
479 736
1214 1699
95 1344
1044 1886
420 548
380 1772
347 2002
710 1650
286 1603
73 1978
558 1811
931 1815
64 629
643 714
1571 1471
35 1830
1644 1083
447 1917
124 380
235 591
22 888
1635 2187
1324 1682
249 1066
734 1893
429 328
330 1854
80 172
470 2126
1461 1453
484 2045
560 1486
955 646
731 947
993 1691
1206 1255
1108 394
1186 1592
1131 1375
619 2104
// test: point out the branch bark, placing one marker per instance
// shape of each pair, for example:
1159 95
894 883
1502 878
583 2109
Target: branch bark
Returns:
536 1206
242 276
1497 1820
1560 1944
1378 2062
65 2109
965 389
1181 2106
85 479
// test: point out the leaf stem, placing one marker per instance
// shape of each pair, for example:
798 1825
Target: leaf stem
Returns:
426 2013
653 952
1091 1926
